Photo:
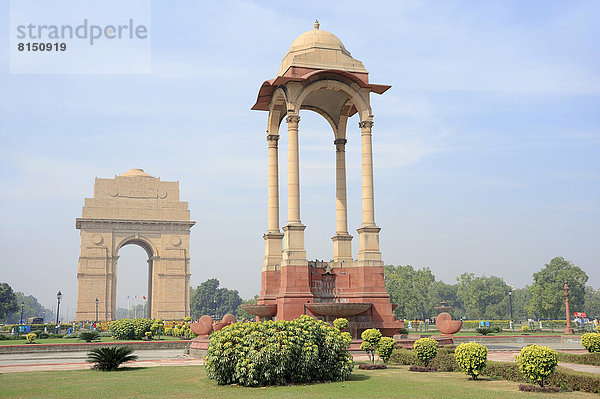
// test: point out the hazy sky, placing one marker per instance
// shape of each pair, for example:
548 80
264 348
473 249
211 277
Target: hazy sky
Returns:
486 148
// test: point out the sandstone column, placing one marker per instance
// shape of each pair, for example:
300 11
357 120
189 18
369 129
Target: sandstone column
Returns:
368 233
273 185
293 171
273 237
293 241
294 283
368 201
342 241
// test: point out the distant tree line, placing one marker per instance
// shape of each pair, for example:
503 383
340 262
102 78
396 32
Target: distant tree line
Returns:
10 306
417 292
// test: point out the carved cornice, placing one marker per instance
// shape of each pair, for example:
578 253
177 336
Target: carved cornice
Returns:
365 124
124 224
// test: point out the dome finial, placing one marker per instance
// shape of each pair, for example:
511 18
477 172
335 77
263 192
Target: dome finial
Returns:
317 24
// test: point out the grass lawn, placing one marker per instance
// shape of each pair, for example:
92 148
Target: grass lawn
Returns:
191 382
75 340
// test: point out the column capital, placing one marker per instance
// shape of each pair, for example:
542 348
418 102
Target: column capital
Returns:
365 124
292 118
272 140
340 144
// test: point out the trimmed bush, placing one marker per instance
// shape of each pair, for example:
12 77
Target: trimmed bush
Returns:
471 358
341 323
537 363
279 352
525 329
404 357
130 328
370 339
403 331
30 338
88 336
385 347
110 358
426 349
591 342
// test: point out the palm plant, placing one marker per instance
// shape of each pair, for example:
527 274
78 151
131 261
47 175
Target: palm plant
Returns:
89 336
110 358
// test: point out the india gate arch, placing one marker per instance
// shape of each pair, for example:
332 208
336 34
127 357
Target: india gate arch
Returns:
319 74
134 208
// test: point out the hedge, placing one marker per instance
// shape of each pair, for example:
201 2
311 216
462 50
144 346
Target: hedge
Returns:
592 359
562 377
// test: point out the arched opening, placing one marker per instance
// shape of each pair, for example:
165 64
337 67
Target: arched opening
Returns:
317 183
134 280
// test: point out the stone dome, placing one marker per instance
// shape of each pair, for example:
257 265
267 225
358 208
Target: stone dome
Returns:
319 49
135 173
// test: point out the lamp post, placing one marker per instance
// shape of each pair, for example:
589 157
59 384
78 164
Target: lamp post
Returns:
97 310
59 296
512 326
22 308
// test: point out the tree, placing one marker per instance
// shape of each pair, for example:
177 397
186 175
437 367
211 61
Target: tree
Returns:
32 308
483 297
547 295
8 301
592 302
241 314
441 291
209 299
409 289
520 300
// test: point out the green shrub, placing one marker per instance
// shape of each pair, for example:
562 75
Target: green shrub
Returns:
169 331
385 347
370 339
591 342
403 331
471 358
525 329
341 323
537 363
157 328
88 336
426 349
404 357
110 358
304 350
130 328
444 361
30 338
148 335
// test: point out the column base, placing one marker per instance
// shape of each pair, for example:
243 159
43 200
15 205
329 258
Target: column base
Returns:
342 247
294 253
569 331
368 244
273 250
